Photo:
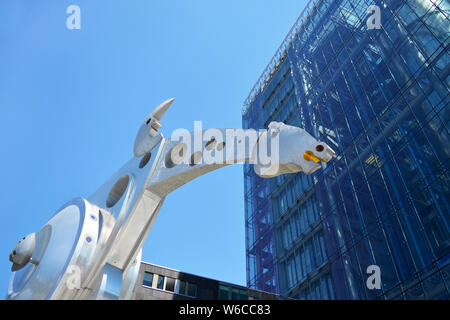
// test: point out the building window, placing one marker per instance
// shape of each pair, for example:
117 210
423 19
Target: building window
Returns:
182 288
160 283
243 295
235 294
148 279
192 290
224 293
170 284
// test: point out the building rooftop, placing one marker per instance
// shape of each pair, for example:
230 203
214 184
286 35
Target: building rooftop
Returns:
276 60
157 282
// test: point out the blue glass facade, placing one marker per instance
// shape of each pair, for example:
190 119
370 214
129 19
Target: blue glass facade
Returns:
380 98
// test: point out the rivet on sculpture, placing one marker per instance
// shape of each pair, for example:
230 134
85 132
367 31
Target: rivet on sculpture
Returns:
91 248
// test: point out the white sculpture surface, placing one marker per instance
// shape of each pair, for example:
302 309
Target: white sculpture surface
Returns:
91 248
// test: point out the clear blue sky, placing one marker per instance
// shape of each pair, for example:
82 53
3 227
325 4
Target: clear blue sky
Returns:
71 102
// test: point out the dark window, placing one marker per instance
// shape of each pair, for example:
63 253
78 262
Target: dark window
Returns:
160 284
148 279
243 295
234 294
192 290
170 284
182 289
224 293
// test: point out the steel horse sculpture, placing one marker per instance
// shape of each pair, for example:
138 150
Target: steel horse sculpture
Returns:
91 248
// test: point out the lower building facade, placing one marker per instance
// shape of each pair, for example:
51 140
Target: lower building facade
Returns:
380 98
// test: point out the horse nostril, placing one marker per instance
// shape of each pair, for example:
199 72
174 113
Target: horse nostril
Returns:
319 148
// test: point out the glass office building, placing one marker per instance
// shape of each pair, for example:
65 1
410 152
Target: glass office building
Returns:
380 99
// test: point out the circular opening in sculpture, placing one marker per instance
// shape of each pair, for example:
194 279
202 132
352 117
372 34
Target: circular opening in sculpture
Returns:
145 159
117 191
175 155
196 158
210 144
319 148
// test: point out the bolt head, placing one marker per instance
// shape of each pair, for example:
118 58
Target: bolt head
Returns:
22 252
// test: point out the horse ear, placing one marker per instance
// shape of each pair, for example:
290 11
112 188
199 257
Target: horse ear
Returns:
160 110
147 134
